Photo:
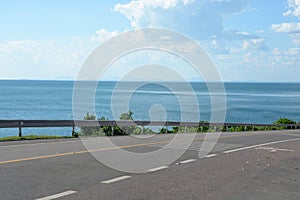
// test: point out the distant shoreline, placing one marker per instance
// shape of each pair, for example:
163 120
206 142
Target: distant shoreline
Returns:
192 81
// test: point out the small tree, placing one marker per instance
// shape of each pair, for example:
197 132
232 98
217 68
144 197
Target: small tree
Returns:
285 121
126 130
126 116
89 116
90 130
107 130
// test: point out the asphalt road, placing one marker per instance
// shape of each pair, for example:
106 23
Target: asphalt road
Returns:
258 165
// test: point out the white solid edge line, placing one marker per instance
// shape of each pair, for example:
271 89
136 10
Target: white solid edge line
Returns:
211 155
115 179
157 168
40 143
186 161
259 145
56 196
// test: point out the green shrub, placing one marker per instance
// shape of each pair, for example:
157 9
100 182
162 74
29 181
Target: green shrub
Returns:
175 129
284 121
88 131
165 130
202 129
116 130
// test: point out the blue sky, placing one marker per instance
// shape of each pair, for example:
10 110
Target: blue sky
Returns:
248 40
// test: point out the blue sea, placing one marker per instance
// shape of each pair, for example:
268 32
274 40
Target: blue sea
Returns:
246 102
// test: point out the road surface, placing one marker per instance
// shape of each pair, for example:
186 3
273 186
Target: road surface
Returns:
252 165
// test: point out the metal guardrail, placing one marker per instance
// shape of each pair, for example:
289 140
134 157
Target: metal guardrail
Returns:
94 123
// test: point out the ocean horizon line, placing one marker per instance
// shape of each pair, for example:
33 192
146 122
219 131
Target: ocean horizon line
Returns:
115 80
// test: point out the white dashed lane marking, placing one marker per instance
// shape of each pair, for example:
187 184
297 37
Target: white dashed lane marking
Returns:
157 169
186 161
115 179
211 155
56 196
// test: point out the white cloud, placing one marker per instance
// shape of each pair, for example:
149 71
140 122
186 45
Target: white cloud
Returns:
135 11
238 35
197 19
41 59
18 45
19 52
247 65
293 8
293 29
286 27
185 2
257 44
288 58
219 47
295 38
103 35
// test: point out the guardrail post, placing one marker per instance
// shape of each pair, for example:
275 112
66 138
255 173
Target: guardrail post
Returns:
73 131
20 128
166 128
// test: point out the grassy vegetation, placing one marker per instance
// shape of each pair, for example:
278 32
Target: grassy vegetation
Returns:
32 137
137 130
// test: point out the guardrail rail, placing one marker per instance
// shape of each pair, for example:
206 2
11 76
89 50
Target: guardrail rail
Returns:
20 124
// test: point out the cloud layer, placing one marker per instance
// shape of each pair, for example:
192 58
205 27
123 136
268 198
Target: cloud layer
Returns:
241 52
